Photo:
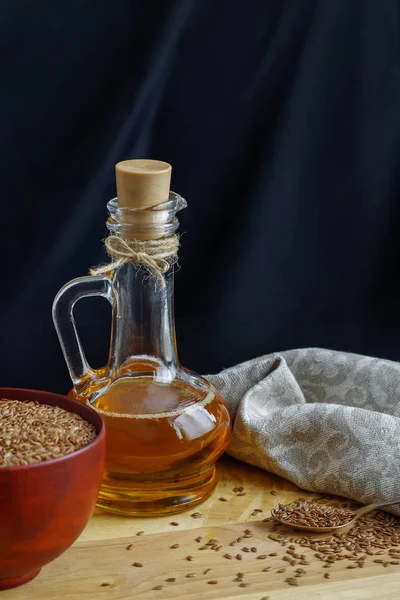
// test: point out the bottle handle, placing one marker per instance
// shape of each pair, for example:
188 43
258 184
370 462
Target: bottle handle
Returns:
64 322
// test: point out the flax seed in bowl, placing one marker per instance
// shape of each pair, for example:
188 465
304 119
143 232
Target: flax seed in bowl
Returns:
51 465
31 432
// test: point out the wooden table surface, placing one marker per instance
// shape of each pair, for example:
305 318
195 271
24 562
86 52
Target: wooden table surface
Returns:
100 566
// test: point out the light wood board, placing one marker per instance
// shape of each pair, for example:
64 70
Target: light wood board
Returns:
101 555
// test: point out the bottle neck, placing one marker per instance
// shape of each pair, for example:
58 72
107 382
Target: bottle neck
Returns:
143 325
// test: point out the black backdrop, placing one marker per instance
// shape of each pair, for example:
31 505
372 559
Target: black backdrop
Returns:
281 121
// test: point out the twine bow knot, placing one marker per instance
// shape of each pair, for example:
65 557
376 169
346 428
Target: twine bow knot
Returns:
152 254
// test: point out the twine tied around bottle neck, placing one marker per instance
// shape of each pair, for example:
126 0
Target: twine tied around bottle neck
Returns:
152 254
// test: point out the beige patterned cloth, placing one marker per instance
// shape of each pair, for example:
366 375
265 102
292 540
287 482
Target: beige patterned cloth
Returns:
327 421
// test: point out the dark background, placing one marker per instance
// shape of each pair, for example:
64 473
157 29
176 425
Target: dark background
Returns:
281 121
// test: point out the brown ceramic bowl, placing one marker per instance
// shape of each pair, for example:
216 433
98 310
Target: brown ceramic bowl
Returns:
45 506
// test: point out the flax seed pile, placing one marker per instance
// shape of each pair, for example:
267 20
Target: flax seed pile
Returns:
313 515
31 432
372 541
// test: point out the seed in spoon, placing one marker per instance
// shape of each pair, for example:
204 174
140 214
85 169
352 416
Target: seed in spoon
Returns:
311 514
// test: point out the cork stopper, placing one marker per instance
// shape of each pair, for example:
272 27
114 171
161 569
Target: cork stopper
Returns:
142 183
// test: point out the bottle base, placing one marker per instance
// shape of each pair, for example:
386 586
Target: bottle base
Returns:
152 499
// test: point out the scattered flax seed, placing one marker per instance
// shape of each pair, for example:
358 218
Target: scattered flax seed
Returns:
267 569
238 579
158 587
129 547
262 556
140 533
273 493
222 499
170 579
265 598
137 564
273 554
327 575
191 575
174 546
189 558
235 490
253 549
105 584
174 523
238 557
240 574
377 533
196 515
207 571
199 539
212 582
244 584
292 581
241 494
281 570
394 562
233 543
229 556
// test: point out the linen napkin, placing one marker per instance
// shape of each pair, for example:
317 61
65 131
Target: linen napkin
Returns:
327 421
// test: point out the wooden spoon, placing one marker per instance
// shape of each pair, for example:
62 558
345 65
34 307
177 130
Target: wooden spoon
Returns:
357 514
